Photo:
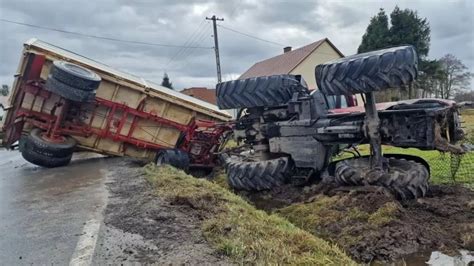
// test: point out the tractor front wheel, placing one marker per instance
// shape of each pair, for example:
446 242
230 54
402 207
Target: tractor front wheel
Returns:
258 175
174 157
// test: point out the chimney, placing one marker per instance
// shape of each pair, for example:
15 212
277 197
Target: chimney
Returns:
287 49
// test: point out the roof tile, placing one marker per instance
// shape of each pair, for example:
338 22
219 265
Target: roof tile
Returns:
281 64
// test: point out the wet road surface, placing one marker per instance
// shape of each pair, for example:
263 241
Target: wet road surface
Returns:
50 216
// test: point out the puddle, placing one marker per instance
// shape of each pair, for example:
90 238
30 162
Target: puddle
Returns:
435 258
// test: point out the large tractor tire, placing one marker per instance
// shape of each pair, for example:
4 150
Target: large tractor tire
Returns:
41 145
258 92
75 76
374 71
174 157
406 179
257 176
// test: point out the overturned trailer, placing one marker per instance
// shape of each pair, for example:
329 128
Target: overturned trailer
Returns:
62 102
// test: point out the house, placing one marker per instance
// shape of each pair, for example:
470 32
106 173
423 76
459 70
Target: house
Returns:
301 61
202 93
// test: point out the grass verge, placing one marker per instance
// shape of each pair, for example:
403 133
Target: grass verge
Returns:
238 230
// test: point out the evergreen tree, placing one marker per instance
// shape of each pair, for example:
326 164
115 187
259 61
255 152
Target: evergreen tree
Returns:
166 82
377 34
408 28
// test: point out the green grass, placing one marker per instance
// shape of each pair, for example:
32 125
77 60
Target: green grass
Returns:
238 230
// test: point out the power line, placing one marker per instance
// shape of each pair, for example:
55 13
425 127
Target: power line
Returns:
189 42
102 37
191 52
251 36
205 33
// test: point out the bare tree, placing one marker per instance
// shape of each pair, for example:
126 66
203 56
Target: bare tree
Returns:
455 76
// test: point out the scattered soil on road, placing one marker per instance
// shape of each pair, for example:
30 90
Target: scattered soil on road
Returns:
174 231
370 224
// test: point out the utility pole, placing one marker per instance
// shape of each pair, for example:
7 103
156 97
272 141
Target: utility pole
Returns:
216 46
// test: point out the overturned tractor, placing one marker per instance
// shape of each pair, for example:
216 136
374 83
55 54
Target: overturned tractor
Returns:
292 133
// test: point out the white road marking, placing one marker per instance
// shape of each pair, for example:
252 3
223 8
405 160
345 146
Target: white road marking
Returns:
85 247
86 244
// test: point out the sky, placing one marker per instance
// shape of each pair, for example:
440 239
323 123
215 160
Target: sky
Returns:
182 23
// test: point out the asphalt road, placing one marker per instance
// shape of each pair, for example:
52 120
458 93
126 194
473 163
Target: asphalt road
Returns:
50 216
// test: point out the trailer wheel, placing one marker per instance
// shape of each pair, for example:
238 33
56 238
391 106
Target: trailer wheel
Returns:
406 179
75 76
68 92
257 176
43 160
39 144
257 92
367 72
174 157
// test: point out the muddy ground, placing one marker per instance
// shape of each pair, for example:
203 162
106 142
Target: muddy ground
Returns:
172 231
371 225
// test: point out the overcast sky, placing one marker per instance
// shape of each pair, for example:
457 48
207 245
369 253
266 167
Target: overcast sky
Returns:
292 23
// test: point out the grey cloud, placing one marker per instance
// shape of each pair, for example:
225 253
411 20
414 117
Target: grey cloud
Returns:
293 23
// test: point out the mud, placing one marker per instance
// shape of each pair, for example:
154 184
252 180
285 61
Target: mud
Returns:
172 233
371 225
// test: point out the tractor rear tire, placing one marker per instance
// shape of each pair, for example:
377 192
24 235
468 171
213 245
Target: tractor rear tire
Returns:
406 179
373 71
44 160
38 144
257 176
258 92
68 92
174 157
75 76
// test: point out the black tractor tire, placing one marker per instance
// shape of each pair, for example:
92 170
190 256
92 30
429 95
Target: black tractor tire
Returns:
373 71
68 92
75 76
43 160
174 157
257 176
406 179
258 92
38 144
